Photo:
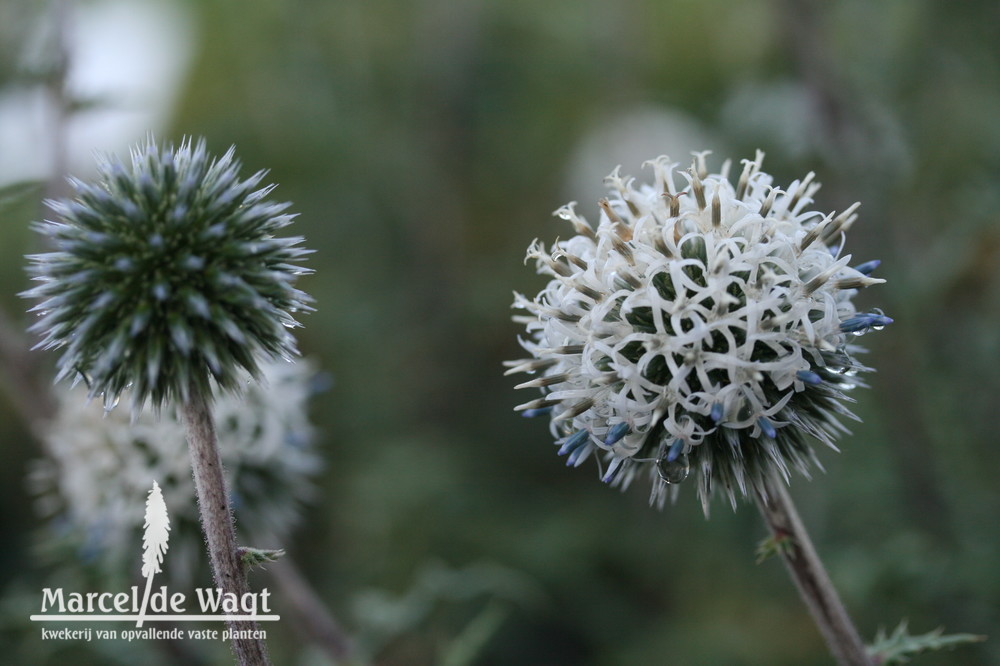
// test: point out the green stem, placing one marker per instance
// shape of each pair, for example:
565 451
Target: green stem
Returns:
810 577
217 523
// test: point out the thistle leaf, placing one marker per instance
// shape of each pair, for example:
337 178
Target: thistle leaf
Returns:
772 546
258 557
898 647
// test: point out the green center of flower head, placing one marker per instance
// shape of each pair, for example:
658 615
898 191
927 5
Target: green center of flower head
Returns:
707 328
166 273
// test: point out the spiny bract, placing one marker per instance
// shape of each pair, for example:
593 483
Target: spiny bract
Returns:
706 329
166 273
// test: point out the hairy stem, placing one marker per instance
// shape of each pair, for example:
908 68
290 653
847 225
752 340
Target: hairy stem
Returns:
810 577
217 522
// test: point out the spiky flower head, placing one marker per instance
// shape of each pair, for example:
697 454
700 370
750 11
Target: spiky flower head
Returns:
93 482
166 274
707 329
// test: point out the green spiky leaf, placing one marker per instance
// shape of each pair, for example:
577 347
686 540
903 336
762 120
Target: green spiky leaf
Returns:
898 647
774 545
258 557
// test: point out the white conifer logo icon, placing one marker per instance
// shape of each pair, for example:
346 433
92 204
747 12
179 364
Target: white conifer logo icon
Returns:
154 542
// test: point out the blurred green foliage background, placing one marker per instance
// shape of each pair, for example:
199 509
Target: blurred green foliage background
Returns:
424 144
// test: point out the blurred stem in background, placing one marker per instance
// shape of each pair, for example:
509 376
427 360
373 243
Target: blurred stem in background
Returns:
20 378
848 136
55 76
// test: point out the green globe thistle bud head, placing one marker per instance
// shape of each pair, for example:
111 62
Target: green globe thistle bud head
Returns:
167 275
702 328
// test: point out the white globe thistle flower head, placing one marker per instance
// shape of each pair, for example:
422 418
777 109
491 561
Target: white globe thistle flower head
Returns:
704 329
101 465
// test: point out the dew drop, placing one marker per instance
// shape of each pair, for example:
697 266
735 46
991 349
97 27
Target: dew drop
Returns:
675 471
110 402
877 327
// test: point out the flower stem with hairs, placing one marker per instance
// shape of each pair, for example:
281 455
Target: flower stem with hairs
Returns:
217 522
806 569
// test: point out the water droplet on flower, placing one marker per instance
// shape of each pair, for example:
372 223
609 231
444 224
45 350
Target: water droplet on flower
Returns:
675 471
110 401
877 327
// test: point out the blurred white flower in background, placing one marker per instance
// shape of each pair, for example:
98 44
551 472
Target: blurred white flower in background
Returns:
100 466
629 136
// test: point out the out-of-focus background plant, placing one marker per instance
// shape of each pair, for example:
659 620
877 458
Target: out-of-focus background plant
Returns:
425 144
